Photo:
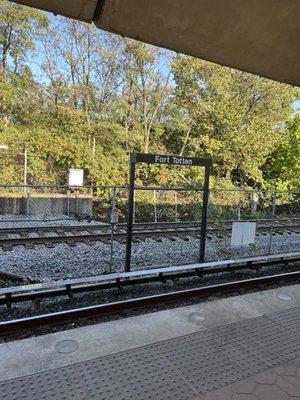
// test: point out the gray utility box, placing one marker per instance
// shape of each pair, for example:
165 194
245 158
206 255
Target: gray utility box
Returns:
243 233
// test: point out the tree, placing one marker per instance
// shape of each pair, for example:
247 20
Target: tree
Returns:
234 117
19 27
146 89
282 169
90 97
82 65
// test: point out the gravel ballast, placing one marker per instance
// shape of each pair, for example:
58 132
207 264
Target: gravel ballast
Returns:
63 261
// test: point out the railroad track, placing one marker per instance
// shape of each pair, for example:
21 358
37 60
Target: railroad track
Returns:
70 287
9 277
90 233
61 229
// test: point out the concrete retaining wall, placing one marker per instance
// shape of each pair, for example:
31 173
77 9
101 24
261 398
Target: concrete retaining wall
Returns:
43 206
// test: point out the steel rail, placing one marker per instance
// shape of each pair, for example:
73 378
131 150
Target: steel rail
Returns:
11 277
8 243
138 225
92 227
63 317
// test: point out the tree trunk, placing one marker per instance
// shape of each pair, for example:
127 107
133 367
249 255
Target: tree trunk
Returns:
185 142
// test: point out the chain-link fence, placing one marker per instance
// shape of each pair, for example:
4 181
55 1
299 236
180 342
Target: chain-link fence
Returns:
24 203
152 204
268 220
73 234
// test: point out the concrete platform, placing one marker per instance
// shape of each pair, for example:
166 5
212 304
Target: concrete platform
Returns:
240 348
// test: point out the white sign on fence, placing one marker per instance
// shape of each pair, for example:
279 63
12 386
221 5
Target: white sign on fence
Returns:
75 178
243 233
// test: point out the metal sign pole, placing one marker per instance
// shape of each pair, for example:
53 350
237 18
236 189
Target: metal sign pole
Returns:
130 212
167 160
155 205
204 213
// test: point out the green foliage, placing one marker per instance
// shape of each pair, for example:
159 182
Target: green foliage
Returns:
87 98
254 247
234 117
20 26
282 169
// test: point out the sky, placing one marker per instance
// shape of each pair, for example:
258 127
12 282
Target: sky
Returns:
297 106
38 59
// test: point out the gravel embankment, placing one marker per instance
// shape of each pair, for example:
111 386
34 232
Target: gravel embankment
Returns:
62 261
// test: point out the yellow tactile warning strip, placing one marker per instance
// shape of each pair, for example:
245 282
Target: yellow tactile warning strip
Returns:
242 361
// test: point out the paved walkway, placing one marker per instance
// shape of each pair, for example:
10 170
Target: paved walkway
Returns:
257 358
279 383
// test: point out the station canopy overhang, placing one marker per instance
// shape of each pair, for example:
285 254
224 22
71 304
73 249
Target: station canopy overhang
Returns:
257 36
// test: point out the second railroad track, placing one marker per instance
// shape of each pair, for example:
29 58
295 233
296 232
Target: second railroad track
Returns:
90 233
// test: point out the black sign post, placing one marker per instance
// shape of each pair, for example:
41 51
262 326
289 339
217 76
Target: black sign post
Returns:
167 160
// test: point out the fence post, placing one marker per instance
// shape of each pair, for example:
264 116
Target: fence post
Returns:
77 204
239 212
68 198
25 171
113 200
28 197
272 221
154 206
254 202
175 205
